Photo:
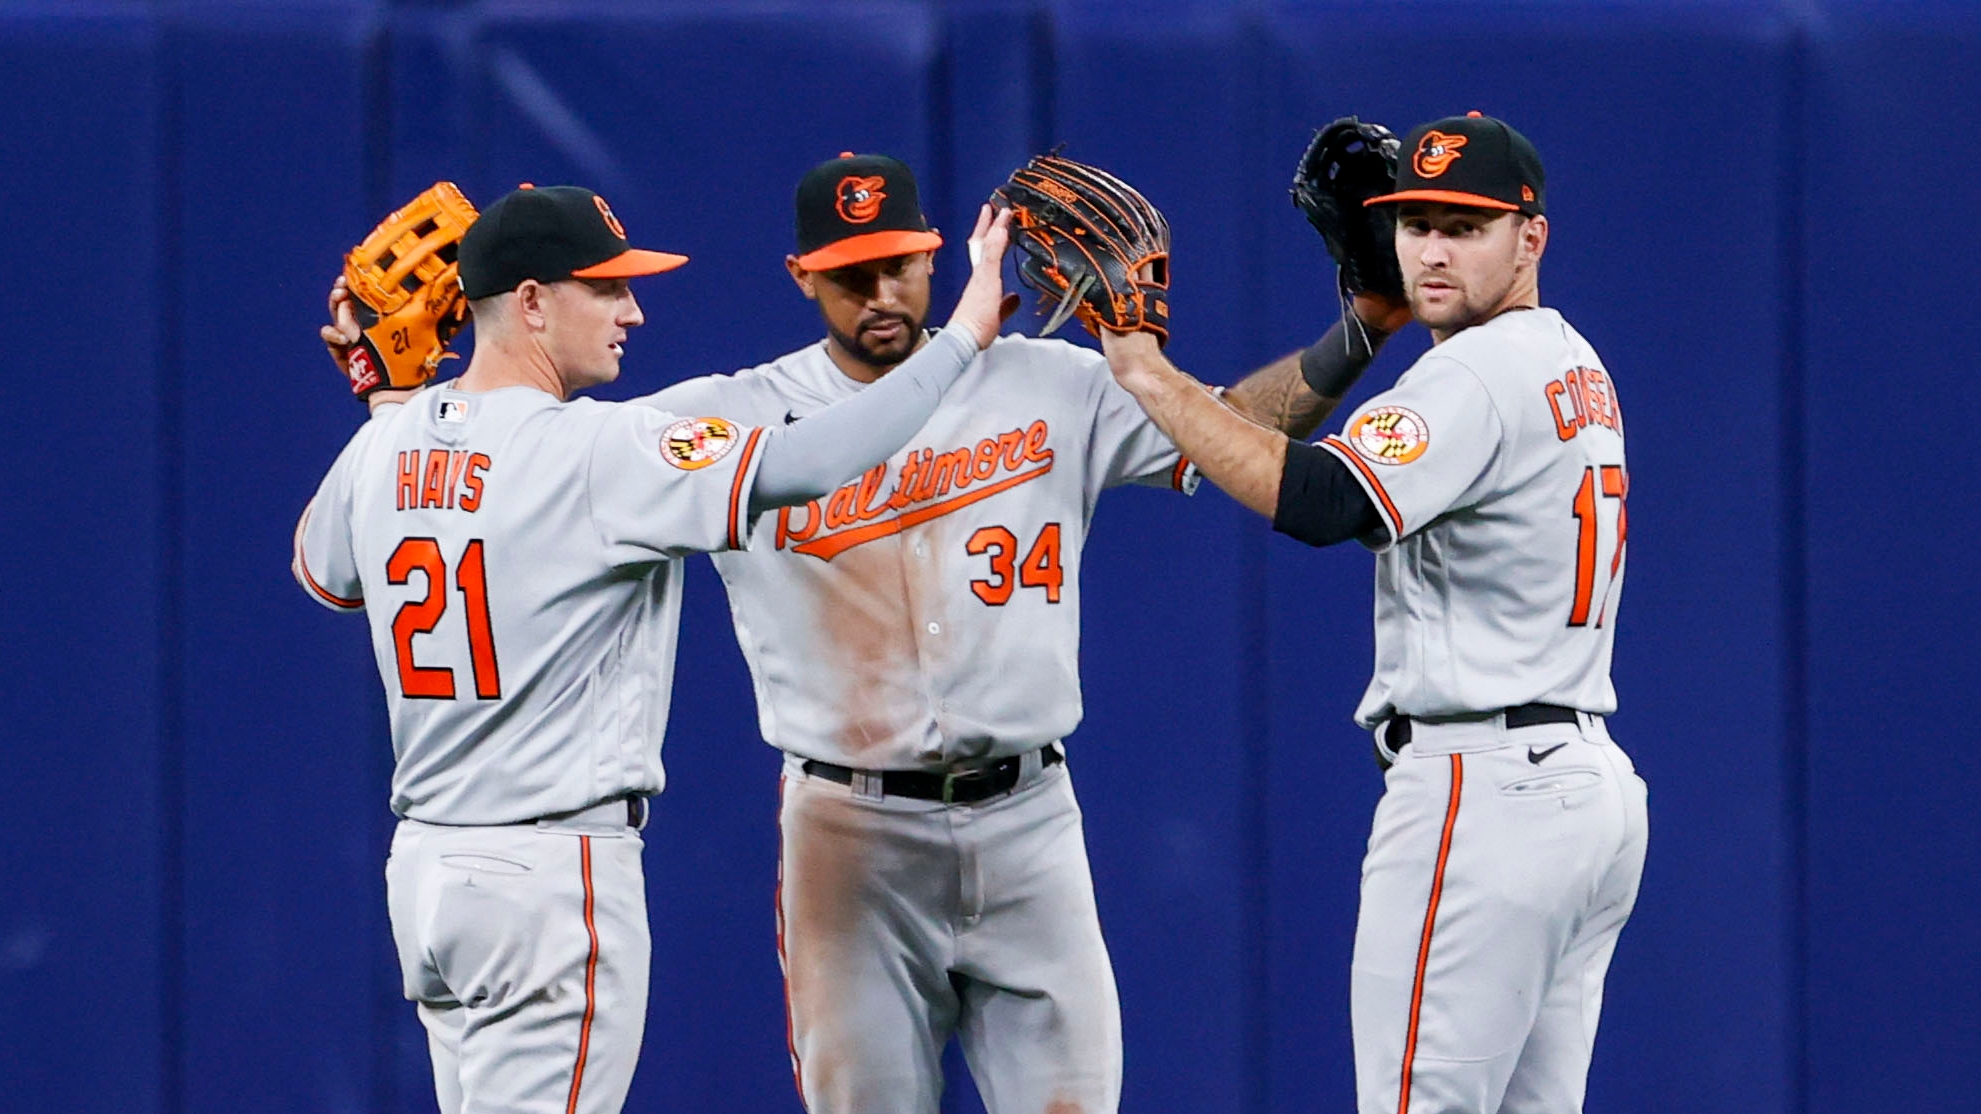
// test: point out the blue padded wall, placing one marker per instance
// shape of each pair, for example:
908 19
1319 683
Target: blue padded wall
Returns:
88 909
191 889
1894 839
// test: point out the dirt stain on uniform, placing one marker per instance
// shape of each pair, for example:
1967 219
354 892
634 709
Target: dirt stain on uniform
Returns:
866 637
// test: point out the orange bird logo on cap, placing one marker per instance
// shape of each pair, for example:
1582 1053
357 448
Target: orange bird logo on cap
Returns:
1435 153
611 221
860 198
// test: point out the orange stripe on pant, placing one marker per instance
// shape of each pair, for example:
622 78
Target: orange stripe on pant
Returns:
591 979
784 961
1430 922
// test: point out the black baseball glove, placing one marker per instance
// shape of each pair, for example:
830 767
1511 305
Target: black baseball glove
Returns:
1092 244
1348 163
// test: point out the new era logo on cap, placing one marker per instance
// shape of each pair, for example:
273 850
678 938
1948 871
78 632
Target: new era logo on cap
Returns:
1471 160
857 208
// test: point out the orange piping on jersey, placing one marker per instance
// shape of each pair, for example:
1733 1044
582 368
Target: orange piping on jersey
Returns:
1348 454
591 979
1430 922
783 963
308 581
738 490
1177 473
832 545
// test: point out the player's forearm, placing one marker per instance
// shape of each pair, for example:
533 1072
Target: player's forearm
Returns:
807 459
1232 451
1295 393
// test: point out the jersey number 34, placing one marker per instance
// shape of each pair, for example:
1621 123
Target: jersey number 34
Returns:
427 682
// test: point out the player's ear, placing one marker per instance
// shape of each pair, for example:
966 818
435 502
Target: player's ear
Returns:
802 277
531 297
1533 240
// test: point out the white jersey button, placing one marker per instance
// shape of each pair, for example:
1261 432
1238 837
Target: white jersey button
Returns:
935 628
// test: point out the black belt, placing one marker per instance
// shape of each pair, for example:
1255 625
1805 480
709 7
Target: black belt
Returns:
1396 729
960 787
636 812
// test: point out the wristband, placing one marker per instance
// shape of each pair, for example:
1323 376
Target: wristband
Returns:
1333 363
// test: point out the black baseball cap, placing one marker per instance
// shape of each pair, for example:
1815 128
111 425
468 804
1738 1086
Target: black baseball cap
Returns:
859 207
1470 160
550 234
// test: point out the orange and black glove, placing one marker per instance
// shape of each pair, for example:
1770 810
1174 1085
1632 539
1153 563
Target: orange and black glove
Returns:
405 287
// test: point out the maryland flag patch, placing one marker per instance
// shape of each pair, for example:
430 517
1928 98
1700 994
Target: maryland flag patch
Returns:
1390 435
693 443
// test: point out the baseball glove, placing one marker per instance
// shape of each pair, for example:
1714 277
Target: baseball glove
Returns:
406 292
1348 163
1092 244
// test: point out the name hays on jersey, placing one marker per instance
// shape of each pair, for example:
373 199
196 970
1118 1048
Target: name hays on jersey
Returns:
449 479
858 512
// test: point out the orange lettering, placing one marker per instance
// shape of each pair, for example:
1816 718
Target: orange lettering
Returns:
951 466
434 494
455 462
840 510
904 486
1009 445
986 463
1563 429
870 487
785 532
477 464
409 480
1035 442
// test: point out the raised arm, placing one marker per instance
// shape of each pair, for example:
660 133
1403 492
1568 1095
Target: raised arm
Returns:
1295 393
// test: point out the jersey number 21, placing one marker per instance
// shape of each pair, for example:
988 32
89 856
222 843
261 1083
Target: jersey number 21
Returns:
426 682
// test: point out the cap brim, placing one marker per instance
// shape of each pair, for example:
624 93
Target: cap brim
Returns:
1449 197
870 246
631 263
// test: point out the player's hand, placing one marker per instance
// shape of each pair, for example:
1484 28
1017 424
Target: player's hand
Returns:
985 306
342 333
1132 356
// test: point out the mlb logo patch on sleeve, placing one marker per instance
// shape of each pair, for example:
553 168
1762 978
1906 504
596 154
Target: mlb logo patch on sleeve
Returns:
693 443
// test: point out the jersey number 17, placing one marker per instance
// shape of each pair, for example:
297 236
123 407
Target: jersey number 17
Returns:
1615 485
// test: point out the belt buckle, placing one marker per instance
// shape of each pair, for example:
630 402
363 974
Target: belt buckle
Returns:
950 780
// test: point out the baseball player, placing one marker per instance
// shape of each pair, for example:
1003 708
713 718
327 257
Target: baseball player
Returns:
914 640
516 553
1490 481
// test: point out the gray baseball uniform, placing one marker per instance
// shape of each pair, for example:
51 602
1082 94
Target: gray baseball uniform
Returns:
925 618
527 714
514 556
1506 853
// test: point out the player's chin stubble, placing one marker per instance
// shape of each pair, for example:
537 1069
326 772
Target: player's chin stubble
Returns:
879 356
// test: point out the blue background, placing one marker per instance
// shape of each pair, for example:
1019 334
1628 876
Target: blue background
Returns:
1763 213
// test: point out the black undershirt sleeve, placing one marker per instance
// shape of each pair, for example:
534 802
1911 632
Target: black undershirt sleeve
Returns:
1319 501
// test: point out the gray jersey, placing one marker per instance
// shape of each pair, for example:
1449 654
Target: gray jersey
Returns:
1496 465
929 612
516 557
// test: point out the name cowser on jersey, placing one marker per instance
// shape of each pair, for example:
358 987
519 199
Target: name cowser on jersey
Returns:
927 612
517 560
1496 464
